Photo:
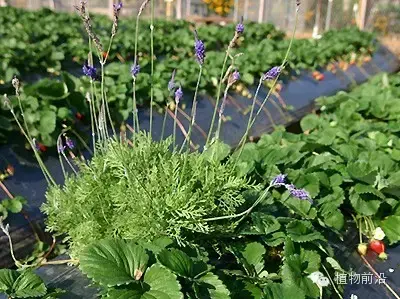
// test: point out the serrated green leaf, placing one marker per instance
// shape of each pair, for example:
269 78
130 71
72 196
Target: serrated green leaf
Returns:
292 275
364 200
113 262
394 179
301 207
312 259
51 90
275 290
63 112
12 205
289 248
264 223
7 279
158 244
47 122
133 291
254 255
335 265
327 136
334 219
347 151
212 287
391 226
162 281
177 261
158 283
274 239
360 170
336 180
28 284
309 122
217 151
303 231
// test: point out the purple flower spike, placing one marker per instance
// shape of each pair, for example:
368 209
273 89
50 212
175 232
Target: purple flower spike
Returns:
135 69
117 7
69 143
236 76
240 27
89 71
298 193
272 73
178 95
279 180
200 50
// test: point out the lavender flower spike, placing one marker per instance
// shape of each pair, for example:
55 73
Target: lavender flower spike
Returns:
279 180
240 27
60 148
234 77
69 143
135 69
272 73
199 49
89 71
298 193
178 95
117 7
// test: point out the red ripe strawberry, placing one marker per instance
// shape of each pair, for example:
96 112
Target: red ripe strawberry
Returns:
377 246
320 77
79 116
42 147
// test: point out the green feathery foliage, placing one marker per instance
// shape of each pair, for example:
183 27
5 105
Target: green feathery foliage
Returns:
144 192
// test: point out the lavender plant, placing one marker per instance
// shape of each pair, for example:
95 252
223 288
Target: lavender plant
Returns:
137 188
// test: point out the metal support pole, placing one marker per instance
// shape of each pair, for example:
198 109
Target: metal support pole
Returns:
168 9
317 20
52 6
178 9
328 15
261 11
188 6
363 13
246 9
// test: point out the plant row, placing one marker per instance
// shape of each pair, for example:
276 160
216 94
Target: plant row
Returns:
37 41
52 102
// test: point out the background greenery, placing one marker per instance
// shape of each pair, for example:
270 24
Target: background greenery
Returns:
33 43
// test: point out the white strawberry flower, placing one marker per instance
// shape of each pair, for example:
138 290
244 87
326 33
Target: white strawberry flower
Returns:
379 234
319 279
